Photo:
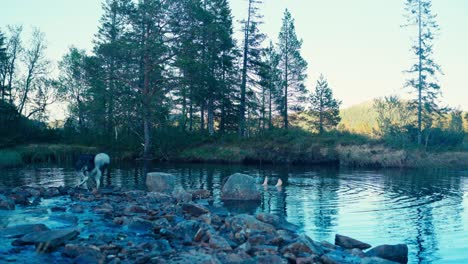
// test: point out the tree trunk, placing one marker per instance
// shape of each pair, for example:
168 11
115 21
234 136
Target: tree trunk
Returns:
244 74
210 117
420 79
202 117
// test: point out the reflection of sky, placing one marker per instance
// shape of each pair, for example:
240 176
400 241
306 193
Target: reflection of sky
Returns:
425 209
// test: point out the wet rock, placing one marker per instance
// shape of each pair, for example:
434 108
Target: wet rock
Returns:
65 218
187 230
36 201
271 259
303 244
77 209
140 225
21 230
160 224
269 218
376 260
242 221
240 187
245 247
132 209
308 260
194 209
47 240
73 251
20 198
157 197
51 192
181 195
160 182
356 252
135 194
105 209
6 203
218 242
37 211
235 258
350 243
264 249
58 209
194 258
340 257
201 194
162 246
397 253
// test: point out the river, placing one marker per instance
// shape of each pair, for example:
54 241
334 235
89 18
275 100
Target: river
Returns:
426 209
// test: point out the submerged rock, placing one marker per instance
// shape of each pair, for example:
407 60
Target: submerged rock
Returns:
194 209
6 203
47 240
350 243
21 230
160 182
240 187
397 253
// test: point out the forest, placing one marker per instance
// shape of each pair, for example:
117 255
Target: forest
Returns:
168 80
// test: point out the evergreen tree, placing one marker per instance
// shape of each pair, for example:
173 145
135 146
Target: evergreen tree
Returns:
3 64
324 107
424 71
293 68
251 55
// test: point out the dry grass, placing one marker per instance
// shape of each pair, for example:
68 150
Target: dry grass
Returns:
371 156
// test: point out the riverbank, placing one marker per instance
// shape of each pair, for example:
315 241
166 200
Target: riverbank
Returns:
295 147
115 225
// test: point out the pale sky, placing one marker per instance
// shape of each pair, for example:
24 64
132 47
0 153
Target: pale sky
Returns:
357 44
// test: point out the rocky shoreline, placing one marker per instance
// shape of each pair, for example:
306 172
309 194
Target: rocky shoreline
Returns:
163 225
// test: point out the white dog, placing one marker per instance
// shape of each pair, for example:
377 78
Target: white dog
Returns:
92 166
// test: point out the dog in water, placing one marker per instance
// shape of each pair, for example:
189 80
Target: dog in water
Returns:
91 166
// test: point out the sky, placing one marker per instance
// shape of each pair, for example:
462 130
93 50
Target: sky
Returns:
358 45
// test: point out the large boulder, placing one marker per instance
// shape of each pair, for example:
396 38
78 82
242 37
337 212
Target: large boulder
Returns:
397 253
350 243
160 182
240 187
46 241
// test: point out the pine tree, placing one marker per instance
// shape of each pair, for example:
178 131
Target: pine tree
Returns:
251 55
3 65
324 107
424 71
293 68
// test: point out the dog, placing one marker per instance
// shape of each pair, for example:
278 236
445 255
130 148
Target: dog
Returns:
91 166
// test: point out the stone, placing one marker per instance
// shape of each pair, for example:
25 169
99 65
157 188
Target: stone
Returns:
339 257
181 195
6 203
157 197
77 209
46 241
235 258
58 209
218 242
271 259
186 230
350 243
51 192
376 260
194 209
160 182
21 230
201 194
269 218
397 253
20 198
242 221
240 187
303 244
140 225
73 250
193 257
65 219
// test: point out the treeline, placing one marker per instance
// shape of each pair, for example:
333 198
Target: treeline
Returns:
164 64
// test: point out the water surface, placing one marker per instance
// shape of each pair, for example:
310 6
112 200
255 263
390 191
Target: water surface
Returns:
426 209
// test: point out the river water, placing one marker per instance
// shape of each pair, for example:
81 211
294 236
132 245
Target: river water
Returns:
426 209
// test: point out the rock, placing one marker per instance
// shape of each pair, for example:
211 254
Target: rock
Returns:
376 260
235 258
132 209
65 218
21 230
77 209
397 253
186 230
47 240
181 195
356 252
6 203
160 182
269 218
245 247
242 221
20 198
303 244
201 194
193 257
73 251
240 187
157 197
140 225
350 243
58 209
51 192
218 242
271 259
340 257
194 209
